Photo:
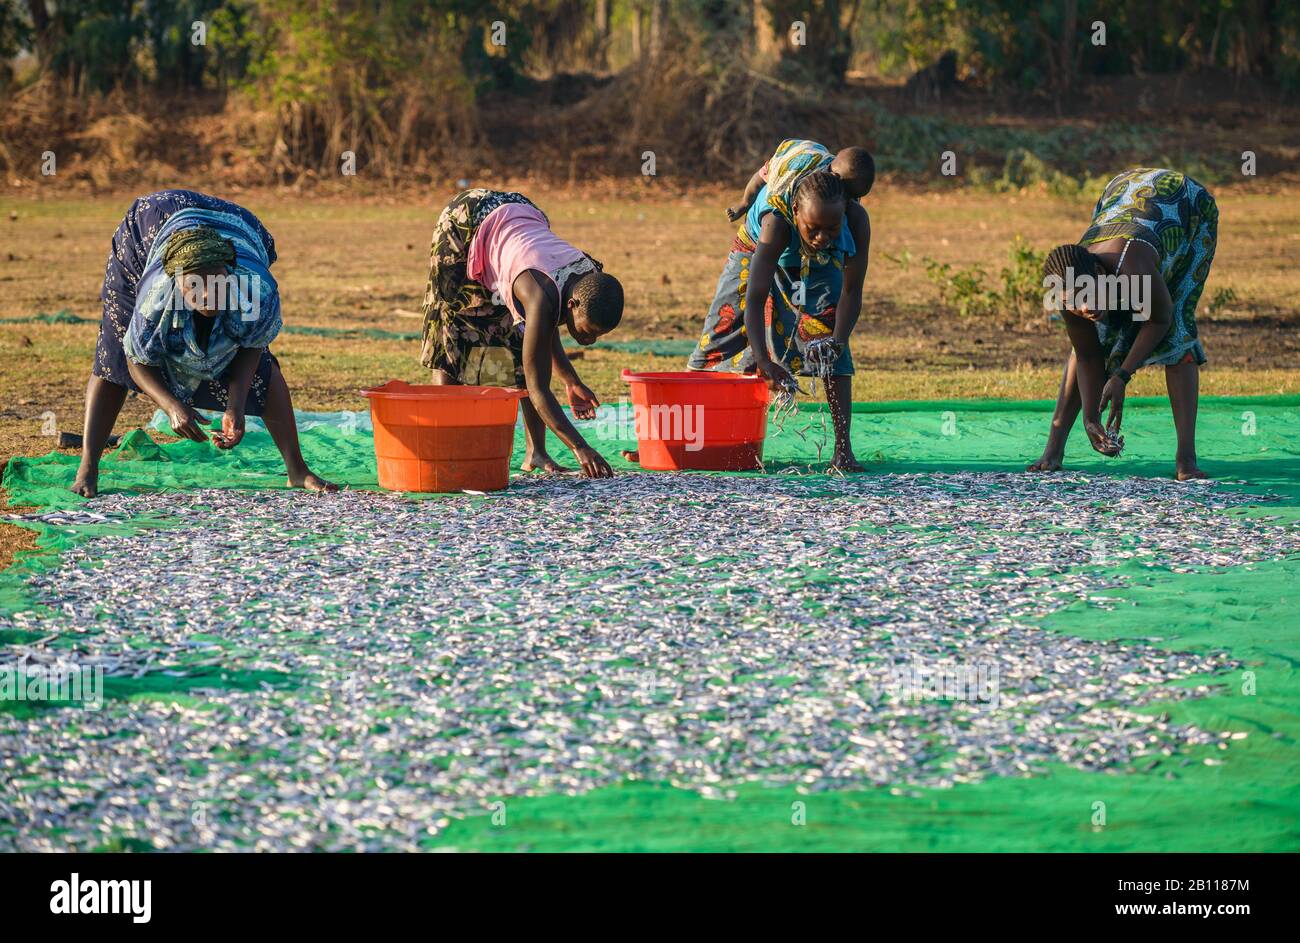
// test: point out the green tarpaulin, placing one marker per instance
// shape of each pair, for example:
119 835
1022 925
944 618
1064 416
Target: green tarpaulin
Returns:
1251 803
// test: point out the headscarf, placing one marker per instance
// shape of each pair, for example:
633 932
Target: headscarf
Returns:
192 249
161 333
794 159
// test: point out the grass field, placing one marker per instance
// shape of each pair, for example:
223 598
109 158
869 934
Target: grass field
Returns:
361 263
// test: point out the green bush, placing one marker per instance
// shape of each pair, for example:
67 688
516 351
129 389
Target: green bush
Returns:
964 290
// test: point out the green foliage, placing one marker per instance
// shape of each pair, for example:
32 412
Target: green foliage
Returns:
1004 158
402 80
1027 156
1027 44
15 31
384 82
1035 45
1022 278
98 42
1221 299
964 289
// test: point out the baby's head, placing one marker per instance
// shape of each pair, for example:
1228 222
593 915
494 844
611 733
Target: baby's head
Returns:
594 306
855 166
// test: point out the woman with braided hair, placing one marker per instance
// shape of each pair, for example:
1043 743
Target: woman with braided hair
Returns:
190 307
1156 229
808 255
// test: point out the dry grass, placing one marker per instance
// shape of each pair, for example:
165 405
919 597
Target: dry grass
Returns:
361 262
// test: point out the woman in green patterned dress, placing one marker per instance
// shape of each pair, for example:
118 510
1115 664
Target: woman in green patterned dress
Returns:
1159 227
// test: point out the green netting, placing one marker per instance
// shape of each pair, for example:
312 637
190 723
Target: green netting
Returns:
1250 803
667 347
59 317
1240 439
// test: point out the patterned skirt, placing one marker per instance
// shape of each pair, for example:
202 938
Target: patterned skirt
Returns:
795 317
1189 236
467 333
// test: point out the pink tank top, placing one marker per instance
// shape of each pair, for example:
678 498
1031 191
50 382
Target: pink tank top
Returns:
513 238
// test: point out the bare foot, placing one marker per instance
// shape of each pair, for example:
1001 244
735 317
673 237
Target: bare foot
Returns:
1188 470
312 482
631 455
544 463
845 464
1050 462
86 484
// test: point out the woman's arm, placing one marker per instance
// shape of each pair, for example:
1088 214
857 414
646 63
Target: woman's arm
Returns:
1154 329
241 372
582 400
561 363
540 334
184 420
849 307
1090 367
1146 266
772 240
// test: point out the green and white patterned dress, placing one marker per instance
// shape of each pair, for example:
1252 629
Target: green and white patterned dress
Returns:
1178 218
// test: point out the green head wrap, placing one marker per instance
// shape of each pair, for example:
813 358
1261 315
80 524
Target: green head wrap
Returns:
197 248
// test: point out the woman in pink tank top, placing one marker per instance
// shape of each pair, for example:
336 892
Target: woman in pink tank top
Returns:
501 284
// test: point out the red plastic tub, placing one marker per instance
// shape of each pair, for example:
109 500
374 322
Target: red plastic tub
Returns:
443 438
699 420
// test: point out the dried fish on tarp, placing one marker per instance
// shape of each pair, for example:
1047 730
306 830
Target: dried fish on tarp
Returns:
358 669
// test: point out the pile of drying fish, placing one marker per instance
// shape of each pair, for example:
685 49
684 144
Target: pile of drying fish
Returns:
355 670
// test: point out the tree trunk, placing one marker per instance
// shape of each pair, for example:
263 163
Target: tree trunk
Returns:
658 25
1066 78
636 32
602 33
766 44
41 27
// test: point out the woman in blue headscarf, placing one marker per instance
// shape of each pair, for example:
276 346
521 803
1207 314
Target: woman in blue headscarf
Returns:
190 308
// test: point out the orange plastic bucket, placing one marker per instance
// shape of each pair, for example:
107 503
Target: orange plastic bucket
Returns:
443 438
699 420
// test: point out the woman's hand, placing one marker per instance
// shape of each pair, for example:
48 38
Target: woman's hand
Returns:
1083 311
1101 441
593 463
777 376
232 429
1113 393
185 421
582 401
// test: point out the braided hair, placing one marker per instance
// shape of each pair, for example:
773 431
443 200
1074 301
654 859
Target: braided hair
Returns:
1065 258
821 186
1071 256
1086 265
